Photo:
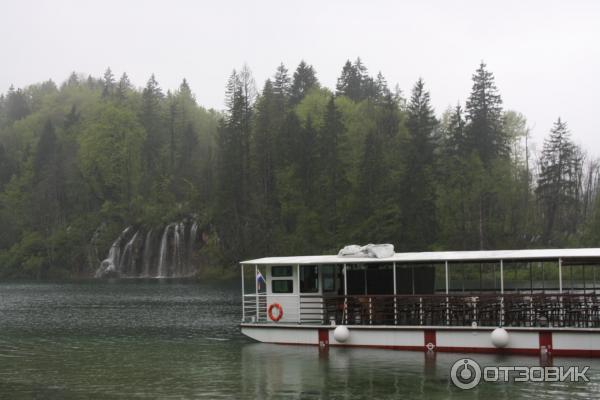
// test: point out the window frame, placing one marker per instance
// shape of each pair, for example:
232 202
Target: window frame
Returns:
317 279
276 281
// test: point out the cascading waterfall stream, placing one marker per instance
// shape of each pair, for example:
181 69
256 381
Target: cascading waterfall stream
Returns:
147 253
163 253
126 261
109 265
141 254
192 240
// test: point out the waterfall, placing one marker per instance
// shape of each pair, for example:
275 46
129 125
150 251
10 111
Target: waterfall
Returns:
134 255
191 242
109 265
162 260
147 253
179 231
127 260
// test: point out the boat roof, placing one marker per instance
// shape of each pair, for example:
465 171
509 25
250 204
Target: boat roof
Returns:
587 255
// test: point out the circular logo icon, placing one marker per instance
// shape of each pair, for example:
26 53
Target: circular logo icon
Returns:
465 374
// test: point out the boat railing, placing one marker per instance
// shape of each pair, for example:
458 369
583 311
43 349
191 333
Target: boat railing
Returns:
510 310
254 308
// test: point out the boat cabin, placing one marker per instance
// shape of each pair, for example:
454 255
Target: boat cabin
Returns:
527 288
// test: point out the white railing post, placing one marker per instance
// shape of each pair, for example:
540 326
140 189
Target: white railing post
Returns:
447 292
345 319
256 291
501 293
395 294
298 286
560 290
560 284
421 310
243 299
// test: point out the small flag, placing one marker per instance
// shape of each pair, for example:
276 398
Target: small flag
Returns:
260 279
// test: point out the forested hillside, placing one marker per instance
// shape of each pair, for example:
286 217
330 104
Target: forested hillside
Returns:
292 168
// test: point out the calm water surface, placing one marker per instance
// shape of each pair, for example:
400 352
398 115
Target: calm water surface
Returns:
174 340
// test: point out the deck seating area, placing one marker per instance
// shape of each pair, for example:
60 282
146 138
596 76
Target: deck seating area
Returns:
575 310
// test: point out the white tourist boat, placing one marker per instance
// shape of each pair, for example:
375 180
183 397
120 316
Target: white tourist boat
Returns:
511 301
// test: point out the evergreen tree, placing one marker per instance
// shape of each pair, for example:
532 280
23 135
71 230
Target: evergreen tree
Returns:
558 184
267 124
123 87
17 106
456 145
152 121
48 181
73 80
379 159
484 118
419 205
234 163
355 83
381 87
304 80
282 84
187 141
6 169
108 83
334 184
349 83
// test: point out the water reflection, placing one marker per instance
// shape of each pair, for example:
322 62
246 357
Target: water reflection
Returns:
273 371
181 341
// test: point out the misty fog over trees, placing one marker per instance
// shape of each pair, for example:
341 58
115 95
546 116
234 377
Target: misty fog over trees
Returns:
288 168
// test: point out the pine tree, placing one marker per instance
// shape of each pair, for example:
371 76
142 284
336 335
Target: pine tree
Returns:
282 86
455 135
234 163
72 117
263 155
123 87
304 80
152 121
187 138
48 179
381 87
419 205
558 184
349 83
73 80
17 106
6 168
355 83
332 164
108 83
484 118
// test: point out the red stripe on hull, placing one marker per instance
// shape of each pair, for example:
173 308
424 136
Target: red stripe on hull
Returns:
430 337
475 350
575 353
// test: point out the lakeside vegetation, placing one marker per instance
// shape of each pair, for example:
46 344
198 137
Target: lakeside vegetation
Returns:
293 168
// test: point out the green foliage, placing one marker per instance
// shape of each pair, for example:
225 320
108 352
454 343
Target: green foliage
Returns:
293 169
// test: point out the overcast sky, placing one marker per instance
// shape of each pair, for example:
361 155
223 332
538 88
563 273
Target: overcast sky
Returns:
545 54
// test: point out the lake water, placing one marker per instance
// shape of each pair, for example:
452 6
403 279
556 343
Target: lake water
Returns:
177 340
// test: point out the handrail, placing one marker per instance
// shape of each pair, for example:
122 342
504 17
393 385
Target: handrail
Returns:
580 310
530 310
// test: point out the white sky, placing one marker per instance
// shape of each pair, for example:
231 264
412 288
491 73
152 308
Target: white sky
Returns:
545 54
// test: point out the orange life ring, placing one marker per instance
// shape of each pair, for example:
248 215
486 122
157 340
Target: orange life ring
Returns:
279 314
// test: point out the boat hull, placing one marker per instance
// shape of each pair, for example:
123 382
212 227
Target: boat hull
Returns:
527 341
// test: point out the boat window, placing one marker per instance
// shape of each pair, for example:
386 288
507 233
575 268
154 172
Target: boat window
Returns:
281 270
282 286
328 273
309 279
